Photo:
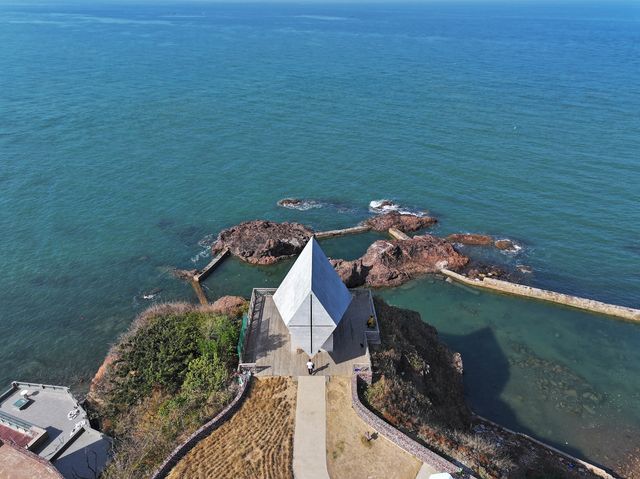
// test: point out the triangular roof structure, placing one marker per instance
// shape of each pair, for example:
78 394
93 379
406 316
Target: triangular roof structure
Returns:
311 299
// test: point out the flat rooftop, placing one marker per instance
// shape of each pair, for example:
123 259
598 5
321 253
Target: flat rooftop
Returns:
269 346
49 408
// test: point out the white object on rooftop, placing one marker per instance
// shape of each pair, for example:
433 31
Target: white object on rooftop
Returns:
441 475
79 425
24 393
312 300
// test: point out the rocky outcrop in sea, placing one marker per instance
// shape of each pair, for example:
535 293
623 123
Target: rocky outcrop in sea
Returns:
263 242
402 221
471 239
394 262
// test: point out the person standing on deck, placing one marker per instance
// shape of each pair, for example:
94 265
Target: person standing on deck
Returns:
310 366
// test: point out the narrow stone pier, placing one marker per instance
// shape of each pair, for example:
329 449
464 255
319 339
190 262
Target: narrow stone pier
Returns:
206 271
310 438
346 231
397 234
515 289
202 297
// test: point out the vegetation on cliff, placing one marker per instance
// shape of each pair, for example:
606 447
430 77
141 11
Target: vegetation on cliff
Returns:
418 387
165 377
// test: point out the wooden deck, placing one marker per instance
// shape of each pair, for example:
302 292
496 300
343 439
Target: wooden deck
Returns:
269 346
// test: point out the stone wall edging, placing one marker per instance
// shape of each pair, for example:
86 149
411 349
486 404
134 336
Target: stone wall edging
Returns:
598 471
179 452
398 437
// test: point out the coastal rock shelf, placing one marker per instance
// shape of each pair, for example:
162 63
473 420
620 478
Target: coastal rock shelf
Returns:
263 242
401 221
392 263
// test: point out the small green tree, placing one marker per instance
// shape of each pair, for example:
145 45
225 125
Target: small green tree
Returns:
206 374
221 335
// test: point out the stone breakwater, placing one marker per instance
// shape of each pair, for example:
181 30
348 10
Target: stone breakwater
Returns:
516 289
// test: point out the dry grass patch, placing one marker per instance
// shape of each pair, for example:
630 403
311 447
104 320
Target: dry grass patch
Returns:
256 442
349 454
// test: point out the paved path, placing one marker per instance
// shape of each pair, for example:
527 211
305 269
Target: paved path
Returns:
425 471
310 438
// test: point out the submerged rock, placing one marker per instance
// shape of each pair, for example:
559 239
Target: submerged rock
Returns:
298 204
381 206
470 239
480 271
524 269
505 245
391 263
263 242
290 202
402 221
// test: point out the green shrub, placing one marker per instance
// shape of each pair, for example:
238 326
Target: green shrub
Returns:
171 375
205 375
221 335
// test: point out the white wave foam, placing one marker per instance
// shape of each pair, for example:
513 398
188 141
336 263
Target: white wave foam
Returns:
515 247
109 20
326 18
301 205
205 243
386 206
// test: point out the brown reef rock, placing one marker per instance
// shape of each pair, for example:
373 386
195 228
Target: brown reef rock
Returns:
96 382
403 222
263 242
504 244
391 263
471 239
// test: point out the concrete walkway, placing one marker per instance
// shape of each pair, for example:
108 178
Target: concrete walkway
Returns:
310 438
425 471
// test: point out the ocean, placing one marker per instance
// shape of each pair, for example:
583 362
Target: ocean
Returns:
131 134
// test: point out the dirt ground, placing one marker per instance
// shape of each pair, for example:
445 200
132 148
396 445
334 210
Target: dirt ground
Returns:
257 442
349 455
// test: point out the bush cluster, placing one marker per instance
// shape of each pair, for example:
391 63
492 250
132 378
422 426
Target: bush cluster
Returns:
172 374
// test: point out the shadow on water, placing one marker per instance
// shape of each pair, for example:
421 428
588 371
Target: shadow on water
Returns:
487 372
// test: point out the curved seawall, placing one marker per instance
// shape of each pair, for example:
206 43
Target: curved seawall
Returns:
623 312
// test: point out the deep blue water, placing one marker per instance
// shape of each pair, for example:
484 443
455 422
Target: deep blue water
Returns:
128 133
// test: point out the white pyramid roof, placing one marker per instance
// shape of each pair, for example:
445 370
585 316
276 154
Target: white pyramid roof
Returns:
311 299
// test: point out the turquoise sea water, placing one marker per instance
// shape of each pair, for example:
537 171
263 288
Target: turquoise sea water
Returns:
128 134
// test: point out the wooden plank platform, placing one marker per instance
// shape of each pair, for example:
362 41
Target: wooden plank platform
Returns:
269 346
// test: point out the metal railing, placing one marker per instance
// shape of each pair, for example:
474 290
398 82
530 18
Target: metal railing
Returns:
255 305
14 422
